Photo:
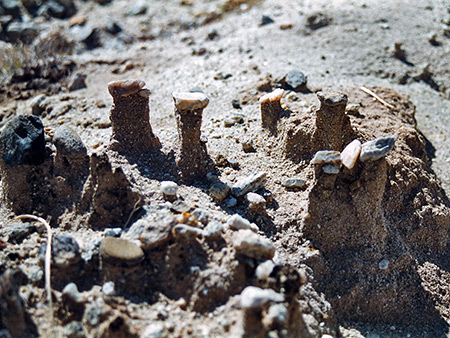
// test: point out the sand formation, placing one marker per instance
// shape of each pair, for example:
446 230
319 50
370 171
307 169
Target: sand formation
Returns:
376 218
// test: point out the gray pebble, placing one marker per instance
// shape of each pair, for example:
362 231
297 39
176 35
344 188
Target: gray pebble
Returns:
24 32
213 230
376 149
169 188
294 183
65 252
294 80
108 289
237 222
247 146
114 232
384 264
16 232
138 8
202 215
77 81
253 297
247 243
232 202
264 270
38 104
68 143
74 329
255 201
330 169
231 121
219 190
277 315
183 231
249 184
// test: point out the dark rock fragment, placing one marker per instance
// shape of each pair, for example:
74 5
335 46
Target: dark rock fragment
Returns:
317 20
266 20
294 80
22 141
65 252
24 32
77 81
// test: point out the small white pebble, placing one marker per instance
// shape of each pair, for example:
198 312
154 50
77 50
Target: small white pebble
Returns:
108 289
169 188
384 264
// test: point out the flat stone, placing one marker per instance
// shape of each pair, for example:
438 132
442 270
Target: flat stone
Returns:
249 184
330 169
247 243
121 251
168 188
219 190
23 141
276 95
350 154
294 183
376 149
327 157
213 230
152 231
125 87
253 297
188 101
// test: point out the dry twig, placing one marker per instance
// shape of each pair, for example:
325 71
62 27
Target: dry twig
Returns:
371 93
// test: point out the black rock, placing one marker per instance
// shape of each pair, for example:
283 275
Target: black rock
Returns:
212 35
113 28
22 141
65 252
266 20
236 104
294 80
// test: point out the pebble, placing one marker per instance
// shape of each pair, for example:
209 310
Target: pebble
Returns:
237 222
68 143
232 202
277 315
202 215
77 81
264 270
247 243
235 119
71 292
247 145
154 330
317 20
113 28
294 183
24 32
65 252
10 7
384 264
253 297
188 101
74 329
168 188
183 231
350 154
255 201
38 105
249 184
113 232
23 141
376 149
294 80
138 8
119 250
219 190
327 157
77 19
266 20
330 169
16 232
236 104
213 230
61 9
108 289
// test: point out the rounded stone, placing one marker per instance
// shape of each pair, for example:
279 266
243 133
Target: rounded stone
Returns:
187 101
125 87
68 142
169 188
121 251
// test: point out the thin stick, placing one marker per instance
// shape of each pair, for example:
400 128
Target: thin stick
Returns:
135 208
371 93
48 256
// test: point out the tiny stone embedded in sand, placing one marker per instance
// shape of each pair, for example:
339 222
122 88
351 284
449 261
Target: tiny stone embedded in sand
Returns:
350 154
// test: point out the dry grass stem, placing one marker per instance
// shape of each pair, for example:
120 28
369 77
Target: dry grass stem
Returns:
371 93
